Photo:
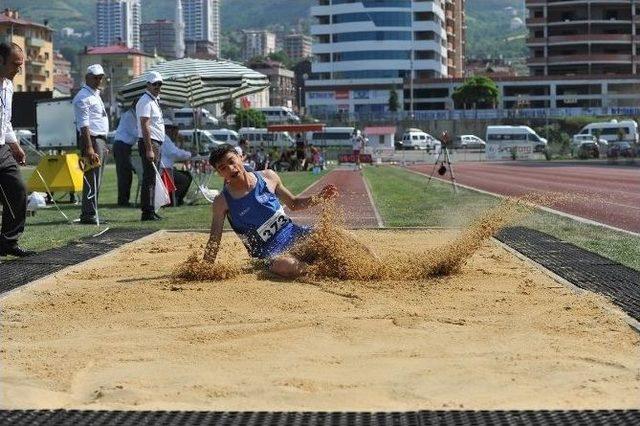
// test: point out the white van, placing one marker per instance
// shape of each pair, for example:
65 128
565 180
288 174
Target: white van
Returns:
417 139
225 135
200 141
612 130
503 142
257 137
279 115
188 118
331 136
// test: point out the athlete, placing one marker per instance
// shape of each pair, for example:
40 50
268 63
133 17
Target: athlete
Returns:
251 202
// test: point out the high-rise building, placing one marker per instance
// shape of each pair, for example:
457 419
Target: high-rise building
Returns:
160 37
35 41
202 24
118 22
582 37
257 43
365 49
455 24
297 46
179 28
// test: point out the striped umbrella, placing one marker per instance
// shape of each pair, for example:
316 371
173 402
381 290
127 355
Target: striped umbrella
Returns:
197 82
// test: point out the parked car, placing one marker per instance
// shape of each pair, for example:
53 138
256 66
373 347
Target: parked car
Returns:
468 142
588 150
579 138
417 139
620 149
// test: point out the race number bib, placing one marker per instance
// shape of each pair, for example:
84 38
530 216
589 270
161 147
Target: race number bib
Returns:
273 225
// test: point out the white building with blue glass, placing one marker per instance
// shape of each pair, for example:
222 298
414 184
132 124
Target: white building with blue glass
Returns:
362 49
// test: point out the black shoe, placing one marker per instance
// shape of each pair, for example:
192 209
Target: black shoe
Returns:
149 217
91 221
157 216
16 251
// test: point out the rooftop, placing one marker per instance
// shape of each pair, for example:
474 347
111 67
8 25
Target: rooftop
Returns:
114 49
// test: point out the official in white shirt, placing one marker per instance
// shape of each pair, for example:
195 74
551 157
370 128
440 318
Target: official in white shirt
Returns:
150 137
92 124
170 153
13 193
126 137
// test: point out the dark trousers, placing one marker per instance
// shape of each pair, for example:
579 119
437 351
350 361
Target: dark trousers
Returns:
124 171
13 196
182 180
92 181
147 192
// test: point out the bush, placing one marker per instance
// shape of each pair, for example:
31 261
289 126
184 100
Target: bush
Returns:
250 118
559 142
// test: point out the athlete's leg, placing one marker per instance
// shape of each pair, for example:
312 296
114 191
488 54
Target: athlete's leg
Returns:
287 266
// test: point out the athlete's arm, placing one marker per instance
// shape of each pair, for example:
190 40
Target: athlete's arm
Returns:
219 210
296 202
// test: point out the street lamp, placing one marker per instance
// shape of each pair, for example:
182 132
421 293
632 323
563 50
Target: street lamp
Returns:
305 76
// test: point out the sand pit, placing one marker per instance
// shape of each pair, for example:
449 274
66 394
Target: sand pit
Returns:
119 333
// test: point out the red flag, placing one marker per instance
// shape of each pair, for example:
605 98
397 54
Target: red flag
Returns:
168 181
245 102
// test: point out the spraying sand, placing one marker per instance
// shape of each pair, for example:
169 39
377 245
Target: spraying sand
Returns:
121 333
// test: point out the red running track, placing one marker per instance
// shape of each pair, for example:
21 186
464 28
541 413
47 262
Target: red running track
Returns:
353 199
604 193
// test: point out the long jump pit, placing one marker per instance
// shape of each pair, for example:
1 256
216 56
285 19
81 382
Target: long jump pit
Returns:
120 332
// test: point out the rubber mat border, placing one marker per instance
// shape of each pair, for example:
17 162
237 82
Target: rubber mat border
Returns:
16 273
582 268
416 418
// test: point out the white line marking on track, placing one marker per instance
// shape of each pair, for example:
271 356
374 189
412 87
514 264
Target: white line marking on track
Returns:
373 204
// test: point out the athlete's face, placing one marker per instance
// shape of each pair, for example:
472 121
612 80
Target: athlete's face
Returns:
230 166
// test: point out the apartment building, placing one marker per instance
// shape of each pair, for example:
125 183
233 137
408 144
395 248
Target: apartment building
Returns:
257 43
297 46
161 37
36 42
202 27
282 91
572 37
363 49
63 82
118 22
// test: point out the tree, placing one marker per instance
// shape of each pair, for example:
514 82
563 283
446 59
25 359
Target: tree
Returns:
250 118
393 101
282 57
477 92
228 108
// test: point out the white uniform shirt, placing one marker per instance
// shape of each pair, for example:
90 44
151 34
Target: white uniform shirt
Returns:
356 142
170 153
6 129
90 111
149 107
127 130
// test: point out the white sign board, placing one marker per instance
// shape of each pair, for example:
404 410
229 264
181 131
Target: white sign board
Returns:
55 124
504 150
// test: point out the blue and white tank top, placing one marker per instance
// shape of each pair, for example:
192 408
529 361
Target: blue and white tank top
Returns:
260 221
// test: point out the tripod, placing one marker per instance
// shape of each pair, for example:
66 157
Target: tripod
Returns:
442 170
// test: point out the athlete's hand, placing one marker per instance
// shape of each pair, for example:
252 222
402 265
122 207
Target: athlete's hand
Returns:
329 192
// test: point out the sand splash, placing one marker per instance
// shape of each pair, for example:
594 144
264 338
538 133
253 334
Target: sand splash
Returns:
333 253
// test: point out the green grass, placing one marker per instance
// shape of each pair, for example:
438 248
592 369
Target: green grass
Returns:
48 228
405 199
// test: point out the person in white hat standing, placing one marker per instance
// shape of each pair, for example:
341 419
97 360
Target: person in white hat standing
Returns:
150 137
13 193
92 123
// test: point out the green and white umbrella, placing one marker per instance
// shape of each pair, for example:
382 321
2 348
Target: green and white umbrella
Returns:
197 82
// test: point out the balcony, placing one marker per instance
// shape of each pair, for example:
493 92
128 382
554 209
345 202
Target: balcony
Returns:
35 42
609 58
36 77
535 22
580 39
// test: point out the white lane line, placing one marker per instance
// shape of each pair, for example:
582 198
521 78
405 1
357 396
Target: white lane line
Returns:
373 204
546 209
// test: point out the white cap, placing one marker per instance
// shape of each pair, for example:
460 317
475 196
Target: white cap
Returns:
153 77
95 69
